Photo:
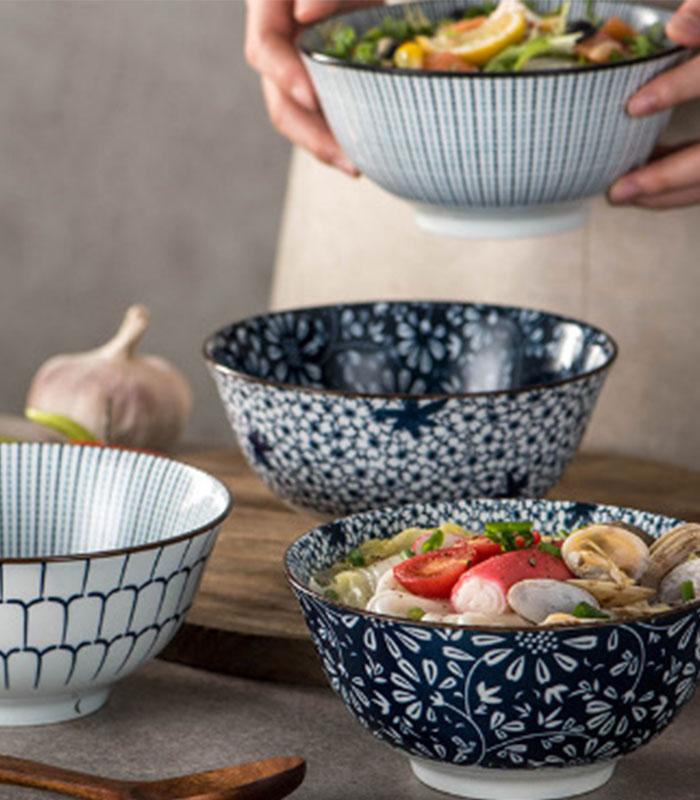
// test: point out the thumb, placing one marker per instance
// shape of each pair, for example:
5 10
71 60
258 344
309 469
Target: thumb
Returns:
306 11
684 27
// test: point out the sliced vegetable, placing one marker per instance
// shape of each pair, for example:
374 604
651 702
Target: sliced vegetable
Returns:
618 29
434 574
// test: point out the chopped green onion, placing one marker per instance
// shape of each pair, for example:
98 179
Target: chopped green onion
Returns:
687 591
331 594
552 549
356 558
433 542
414 612
587 611
408 553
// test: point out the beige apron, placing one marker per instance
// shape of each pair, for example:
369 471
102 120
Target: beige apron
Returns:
634 273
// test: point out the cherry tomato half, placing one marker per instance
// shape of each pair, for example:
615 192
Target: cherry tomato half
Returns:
434 574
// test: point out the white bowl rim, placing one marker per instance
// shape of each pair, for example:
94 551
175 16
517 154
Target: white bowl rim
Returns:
297 585
322 58
208 345
134 548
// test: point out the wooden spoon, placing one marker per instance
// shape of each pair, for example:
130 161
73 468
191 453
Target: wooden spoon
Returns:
259 780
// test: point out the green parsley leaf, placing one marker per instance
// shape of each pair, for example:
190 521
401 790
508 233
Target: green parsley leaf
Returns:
587 611
434 541
415 612
331 594
506 533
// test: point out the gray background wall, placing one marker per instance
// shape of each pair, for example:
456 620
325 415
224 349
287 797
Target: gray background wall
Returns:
136 164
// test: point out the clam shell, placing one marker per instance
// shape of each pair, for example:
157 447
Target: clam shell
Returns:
642 609
672 549
606 552
670 586
538 598
610 594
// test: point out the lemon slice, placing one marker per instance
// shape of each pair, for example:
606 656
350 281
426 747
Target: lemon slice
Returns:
498 32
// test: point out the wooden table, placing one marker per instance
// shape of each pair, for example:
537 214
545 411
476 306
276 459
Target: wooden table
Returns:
245 620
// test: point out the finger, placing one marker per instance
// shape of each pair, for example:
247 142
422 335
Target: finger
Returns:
269 49
684 27
306 128
669 89
678 171
307 11
678 199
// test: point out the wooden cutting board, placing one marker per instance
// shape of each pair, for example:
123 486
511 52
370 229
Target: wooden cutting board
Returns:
245 620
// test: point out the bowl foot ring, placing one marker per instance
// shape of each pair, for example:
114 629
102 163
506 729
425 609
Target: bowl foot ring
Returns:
480 783
502 223
46 710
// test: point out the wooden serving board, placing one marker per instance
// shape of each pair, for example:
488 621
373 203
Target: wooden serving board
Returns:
245 620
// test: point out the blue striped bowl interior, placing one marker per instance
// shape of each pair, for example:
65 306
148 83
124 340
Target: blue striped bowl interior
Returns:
489 140
65 500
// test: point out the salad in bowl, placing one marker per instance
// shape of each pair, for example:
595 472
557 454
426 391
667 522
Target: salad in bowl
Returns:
509 36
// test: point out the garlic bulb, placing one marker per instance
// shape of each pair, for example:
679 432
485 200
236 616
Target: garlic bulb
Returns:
119 396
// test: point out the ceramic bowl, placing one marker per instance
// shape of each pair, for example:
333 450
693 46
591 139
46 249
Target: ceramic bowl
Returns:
101 553
348 407
500 713
490 154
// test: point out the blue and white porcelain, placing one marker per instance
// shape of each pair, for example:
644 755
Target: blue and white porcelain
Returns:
490 154
101 553
348 407
504 713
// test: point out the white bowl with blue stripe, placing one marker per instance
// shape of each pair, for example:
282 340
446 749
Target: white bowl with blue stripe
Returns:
101 554
491 154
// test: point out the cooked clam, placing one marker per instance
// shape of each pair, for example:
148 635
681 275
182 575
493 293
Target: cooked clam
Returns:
642 609
606 552
672 549
610 594
538 598
670 586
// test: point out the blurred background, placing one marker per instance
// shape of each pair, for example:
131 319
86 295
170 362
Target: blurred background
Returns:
136 165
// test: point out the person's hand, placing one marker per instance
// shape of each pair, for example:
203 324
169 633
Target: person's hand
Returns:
672 178
291 100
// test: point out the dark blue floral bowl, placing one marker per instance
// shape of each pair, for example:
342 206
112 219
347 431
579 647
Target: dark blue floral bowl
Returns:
481 710
347 407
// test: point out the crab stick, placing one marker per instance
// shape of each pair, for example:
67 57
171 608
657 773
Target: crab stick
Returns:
484 587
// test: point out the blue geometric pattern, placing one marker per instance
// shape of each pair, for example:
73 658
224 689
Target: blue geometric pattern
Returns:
103 551
494 697
347 407
477 140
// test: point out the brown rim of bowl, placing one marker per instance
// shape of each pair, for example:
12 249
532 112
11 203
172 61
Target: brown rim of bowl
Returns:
136 548
493 629
244 376
322 58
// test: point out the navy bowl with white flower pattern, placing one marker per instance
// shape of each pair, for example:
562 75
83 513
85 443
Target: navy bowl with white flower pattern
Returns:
347 407
101 553
498 698
489 140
